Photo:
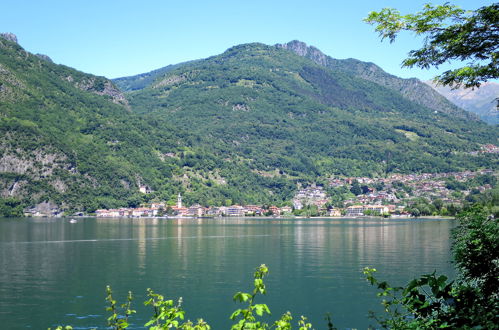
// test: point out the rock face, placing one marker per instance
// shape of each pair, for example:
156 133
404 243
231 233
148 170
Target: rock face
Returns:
302 49
45 209
45 58
412 89
100 86
9 36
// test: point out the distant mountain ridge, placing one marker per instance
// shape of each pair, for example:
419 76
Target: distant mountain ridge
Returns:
144 79
481 101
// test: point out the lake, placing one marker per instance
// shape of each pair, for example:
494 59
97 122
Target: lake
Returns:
55 272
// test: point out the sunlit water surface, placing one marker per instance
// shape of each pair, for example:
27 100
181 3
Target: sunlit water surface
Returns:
55 272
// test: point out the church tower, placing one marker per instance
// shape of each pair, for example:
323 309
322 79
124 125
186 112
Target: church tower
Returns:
179 201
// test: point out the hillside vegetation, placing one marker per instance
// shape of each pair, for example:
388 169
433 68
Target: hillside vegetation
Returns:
285 115
242 127
69 138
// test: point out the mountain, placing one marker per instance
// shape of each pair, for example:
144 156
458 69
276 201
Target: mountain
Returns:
412 89
69 140
293 115
144 79
245 126
481 101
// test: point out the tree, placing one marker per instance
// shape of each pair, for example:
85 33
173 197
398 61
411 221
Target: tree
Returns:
356 189
433 302
11 207
451 34
476 249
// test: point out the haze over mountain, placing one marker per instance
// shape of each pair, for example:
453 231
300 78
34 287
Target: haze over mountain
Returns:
244 126
482 100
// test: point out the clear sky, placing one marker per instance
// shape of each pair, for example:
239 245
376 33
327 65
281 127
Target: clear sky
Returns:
121 38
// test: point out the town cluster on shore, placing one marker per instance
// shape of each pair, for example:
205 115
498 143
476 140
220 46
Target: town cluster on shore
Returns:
375 196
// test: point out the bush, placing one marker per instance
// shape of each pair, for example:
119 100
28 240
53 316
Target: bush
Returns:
431 301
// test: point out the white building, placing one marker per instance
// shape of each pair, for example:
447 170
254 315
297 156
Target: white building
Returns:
359 210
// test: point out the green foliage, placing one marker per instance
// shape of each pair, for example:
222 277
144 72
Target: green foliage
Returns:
431 301
372 213
452 184
115 320
166 313
307 211
412 306
247 315
356 189
270 110
476 249
245 126
450 34
11 207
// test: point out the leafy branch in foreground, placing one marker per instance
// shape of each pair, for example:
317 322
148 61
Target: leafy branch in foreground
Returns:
248 320
247 315
450 34
430 301
168 315
115 321
417 305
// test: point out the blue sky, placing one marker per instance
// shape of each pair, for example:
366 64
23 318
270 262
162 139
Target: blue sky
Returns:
122 38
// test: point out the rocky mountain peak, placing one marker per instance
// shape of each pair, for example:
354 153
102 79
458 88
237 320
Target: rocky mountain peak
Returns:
302 49
296 46
9 36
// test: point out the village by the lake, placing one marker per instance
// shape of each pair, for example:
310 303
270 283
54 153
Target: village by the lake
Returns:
394 196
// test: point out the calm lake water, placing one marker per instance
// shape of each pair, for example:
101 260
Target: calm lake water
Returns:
54 272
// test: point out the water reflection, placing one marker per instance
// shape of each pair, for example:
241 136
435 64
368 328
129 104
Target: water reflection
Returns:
315 265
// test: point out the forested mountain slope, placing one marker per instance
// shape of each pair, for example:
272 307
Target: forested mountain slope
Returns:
412 89
70 139
278 112
242 127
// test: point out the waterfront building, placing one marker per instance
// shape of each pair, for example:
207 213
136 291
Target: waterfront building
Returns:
275 210
253 209
158 205
196 210
214 211
359 210
334 212
182 211
235 211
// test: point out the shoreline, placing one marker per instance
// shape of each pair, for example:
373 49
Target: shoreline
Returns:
286 217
